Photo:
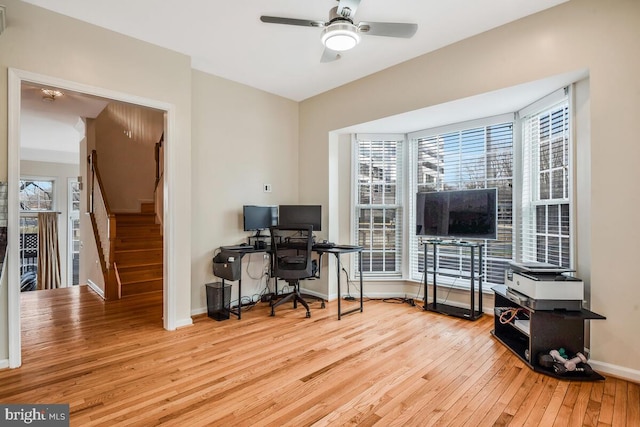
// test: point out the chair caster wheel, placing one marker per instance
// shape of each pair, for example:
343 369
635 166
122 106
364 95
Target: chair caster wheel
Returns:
308 315
322 305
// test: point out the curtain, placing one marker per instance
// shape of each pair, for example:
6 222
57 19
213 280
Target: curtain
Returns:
48 252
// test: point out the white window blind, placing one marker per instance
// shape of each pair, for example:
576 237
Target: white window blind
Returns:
473 155
546 194
378 203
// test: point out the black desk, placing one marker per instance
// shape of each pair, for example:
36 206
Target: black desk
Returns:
337 251
241 251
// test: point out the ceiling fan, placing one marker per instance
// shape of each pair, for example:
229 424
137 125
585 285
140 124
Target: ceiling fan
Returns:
340 33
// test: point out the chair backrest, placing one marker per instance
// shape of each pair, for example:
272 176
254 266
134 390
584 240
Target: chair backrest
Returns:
291 247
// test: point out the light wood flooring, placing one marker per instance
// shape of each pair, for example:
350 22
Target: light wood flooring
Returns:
393 365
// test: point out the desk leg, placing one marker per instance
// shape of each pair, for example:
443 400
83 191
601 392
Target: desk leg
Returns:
239 298
339 290
361 309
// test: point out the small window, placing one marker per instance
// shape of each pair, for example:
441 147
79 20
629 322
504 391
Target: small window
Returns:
36 195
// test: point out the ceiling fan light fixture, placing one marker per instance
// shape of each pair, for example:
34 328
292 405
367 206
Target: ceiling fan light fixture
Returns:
340 36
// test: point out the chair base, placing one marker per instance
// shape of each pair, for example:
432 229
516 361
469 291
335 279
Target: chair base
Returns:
308 297
296 297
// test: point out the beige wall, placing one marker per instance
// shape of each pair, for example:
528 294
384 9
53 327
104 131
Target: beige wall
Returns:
242 138
601 36
45 43
127 164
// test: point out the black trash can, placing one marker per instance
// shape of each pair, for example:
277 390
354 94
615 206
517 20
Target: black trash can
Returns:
218 300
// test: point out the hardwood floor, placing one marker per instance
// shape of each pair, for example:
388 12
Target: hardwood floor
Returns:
393 365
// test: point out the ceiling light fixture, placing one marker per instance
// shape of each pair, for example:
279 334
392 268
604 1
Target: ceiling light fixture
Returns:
50 95
340 36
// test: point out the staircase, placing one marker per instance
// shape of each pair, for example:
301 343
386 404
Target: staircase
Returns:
138 251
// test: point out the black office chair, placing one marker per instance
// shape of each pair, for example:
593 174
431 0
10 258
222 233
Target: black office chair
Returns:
292 261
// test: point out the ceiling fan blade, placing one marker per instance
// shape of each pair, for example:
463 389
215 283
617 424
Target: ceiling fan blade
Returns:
347 8
388 29
292 21
330 55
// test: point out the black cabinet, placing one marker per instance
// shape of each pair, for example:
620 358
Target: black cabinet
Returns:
534 332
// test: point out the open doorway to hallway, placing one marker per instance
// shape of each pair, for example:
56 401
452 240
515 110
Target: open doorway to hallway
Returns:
70 193
61 132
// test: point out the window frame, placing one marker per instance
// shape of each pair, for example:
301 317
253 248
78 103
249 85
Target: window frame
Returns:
531 200
53 193
398 205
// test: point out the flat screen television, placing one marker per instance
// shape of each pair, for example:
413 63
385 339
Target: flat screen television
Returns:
458 214
301 214
257 218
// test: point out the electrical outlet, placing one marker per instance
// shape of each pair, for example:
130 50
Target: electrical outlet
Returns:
267 188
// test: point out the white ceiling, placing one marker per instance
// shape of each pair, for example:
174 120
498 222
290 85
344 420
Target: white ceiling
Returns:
50 131
280 59
227 38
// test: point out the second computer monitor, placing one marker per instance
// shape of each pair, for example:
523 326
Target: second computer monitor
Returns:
300 214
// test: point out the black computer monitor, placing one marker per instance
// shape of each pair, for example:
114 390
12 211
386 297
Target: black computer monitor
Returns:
301 214
257 218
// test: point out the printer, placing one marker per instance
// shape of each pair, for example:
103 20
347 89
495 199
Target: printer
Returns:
542 286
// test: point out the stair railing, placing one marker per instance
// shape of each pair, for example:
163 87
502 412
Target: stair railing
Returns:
103 222
158 190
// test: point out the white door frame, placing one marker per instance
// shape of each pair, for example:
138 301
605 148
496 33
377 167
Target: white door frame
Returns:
71 215
15 79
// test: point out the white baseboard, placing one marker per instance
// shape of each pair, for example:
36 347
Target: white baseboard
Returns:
95 288
4 363
314 293
615 370
184 322
198 311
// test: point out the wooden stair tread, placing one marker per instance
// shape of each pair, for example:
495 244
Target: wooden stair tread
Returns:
133 282
140 273
141 287
138 244
146 265
139 252
137 230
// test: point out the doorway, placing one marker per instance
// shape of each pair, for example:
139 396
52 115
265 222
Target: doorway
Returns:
16 79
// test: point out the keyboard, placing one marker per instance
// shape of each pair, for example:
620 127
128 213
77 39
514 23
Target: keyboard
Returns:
237 248
324 245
